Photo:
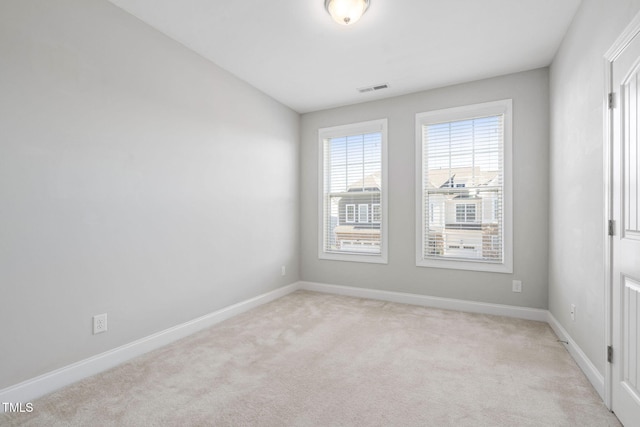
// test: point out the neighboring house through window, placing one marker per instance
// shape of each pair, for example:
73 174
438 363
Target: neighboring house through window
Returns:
353 223
463 188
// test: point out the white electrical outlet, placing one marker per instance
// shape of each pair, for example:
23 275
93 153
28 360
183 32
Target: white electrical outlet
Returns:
516 286
283 270
573 312
99 323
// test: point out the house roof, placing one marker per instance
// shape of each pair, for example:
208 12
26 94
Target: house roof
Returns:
463 177
372 181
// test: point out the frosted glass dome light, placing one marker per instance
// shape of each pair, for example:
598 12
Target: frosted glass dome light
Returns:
346 12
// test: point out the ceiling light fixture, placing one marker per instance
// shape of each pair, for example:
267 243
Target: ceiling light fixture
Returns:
346 12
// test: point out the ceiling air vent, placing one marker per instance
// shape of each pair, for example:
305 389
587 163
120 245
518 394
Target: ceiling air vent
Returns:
373 88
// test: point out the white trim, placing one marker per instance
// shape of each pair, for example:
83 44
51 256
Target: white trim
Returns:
324 134
353 257
608 215
527 313
591 372
49 382
504 107
351 129
624 39
39 386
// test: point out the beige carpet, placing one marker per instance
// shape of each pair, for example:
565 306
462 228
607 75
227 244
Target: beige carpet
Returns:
312 359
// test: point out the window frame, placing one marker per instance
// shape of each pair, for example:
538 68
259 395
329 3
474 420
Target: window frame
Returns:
466 112
353 214
373 214
372 126
465 213
366 213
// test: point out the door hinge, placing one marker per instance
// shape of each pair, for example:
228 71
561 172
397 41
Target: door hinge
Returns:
609 354
611 99
611 227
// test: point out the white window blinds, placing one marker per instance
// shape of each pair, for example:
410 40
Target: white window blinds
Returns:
462 197
352 190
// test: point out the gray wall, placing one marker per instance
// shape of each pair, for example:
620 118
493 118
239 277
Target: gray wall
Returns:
530 94
127 184
136 178
577 207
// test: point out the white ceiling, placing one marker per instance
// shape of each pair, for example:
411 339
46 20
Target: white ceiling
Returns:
293 51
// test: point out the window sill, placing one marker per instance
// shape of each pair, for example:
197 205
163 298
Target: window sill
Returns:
456 264
373 259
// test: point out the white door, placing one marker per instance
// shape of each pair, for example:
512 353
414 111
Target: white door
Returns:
625 375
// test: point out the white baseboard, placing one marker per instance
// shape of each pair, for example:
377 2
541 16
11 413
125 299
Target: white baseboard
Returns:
51 381
428 301
591 372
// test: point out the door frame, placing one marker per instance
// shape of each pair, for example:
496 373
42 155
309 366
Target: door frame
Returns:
624 39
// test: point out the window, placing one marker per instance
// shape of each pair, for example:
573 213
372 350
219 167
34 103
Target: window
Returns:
464 169
352 192
363 213
351 213
376 214
465 212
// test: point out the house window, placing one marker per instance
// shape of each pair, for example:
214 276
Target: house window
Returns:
363 213
350 213
464 167
352 183
465 212
376 214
